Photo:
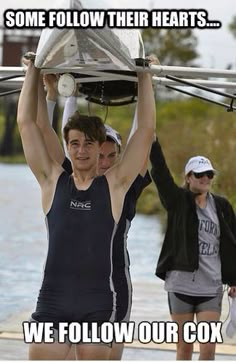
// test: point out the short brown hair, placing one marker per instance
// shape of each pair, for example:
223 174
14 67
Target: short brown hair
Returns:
91 126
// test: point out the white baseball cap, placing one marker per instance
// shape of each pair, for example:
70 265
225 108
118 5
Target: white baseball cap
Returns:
198 164
113 134
231 327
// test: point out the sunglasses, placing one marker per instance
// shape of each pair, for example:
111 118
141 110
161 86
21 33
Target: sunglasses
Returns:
209 174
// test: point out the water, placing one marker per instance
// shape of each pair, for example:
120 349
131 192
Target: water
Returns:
23 245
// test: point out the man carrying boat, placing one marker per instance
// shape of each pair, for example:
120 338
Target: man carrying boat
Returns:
78 283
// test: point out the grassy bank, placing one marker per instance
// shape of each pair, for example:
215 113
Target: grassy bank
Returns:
15 159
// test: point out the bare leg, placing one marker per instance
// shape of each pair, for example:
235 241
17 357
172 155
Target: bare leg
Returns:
92 352
184 350
207 350
71 356
46 351
116 351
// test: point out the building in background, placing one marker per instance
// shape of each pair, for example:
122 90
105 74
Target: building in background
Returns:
13 44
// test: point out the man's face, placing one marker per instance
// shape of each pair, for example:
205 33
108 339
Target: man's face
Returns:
83 152
108 156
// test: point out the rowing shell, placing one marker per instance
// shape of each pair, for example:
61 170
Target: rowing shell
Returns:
87 52
97 49
104 62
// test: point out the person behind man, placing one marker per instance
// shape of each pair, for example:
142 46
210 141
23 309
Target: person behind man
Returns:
78 283
110 149
109 154
199 249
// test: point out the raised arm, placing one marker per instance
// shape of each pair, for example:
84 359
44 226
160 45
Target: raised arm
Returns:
137 150
51 83
34 147
153 60
134 125
45 116
133 130
69 110
165 184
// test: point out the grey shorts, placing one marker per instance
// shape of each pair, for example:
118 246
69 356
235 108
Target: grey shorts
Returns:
181 303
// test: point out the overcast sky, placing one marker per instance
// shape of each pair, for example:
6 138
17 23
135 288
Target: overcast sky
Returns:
216 47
